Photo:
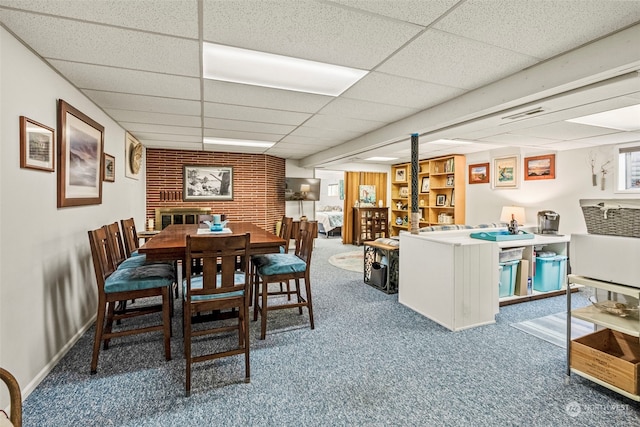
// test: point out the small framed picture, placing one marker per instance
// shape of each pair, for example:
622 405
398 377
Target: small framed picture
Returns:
479 173
505 170
401 175
424 188
441 200
540 167
37 145
109 171
449 180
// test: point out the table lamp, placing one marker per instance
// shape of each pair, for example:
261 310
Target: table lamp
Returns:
513 215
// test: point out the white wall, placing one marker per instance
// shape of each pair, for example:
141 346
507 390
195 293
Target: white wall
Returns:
47 282
562 195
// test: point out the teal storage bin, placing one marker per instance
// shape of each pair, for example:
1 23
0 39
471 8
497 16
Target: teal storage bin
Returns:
550 273
507 283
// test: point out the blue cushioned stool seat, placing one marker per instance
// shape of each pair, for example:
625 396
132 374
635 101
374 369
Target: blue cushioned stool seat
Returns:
142 277
196 283
273 264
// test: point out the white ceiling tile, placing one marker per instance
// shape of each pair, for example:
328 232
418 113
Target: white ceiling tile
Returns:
342 122
564 131
154 118
420 12
166 137
395 90
110 79
306 29
120 101
264 97
154 143
305 140
97 44
243 125
163 129
238 112
518 140
373 111
539 28
175 17
614 138
446 59
339 135
234 149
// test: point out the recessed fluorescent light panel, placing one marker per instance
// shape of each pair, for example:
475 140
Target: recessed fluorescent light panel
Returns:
627 119
232 64
238 142
381 159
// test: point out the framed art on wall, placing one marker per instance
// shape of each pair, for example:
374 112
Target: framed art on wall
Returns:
109 168
203 182
479 173
540 167
80 148
37 145
505 172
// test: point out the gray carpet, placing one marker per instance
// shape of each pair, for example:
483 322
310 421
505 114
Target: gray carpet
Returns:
369 362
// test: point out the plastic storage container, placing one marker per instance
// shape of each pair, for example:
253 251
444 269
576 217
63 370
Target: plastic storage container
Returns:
508 274
510 254
550 273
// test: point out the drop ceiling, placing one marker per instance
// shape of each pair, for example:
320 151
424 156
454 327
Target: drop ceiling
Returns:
442 68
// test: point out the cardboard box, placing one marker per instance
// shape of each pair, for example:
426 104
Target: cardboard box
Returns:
521 278
610 356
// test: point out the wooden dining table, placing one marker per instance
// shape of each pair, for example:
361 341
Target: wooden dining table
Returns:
171 243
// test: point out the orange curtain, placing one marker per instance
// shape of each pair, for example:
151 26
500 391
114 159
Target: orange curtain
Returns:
352 182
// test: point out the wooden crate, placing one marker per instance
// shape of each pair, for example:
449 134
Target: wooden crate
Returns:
610 356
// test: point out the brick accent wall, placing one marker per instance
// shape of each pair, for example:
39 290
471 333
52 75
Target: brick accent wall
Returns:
258 184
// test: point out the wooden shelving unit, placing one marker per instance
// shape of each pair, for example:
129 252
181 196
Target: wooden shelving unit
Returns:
441 197
369 224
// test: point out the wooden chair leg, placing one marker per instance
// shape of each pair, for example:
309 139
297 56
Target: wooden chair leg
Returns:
166 320
307 284
109 326
97 340
245 328
263 310
256 293
187 348
298 295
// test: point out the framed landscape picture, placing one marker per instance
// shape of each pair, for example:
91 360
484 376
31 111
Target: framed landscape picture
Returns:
80 148
479 173
207 182
109 168
37 145
540 167
505 172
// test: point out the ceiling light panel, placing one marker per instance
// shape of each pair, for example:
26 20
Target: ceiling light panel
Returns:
237 142
244 66
626 119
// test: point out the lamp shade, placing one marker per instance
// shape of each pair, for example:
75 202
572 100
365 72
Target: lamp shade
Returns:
509 212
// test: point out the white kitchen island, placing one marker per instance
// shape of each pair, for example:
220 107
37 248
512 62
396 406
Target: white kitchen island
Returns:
453 279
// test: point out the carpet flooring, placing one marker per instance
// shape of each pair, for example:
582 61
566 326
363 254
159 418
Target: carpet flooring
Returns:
370 361
553 328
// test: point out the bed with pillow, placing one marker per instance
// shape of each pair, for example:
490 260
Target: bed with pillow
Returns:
330 220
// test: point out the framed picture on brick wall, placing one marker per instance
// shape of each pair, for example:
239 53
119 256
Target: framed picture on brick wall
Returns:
202 182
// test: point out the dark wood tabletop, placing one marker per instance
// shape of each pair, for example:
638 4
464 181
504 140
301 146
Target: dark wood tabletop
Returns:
170 244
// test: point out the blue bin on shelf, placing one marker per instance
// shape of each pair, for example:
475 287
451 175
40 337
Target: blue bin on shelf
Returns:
507 283
550 273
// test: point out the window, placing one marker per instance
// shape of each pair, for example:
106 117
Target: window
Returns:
628 168
332 190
